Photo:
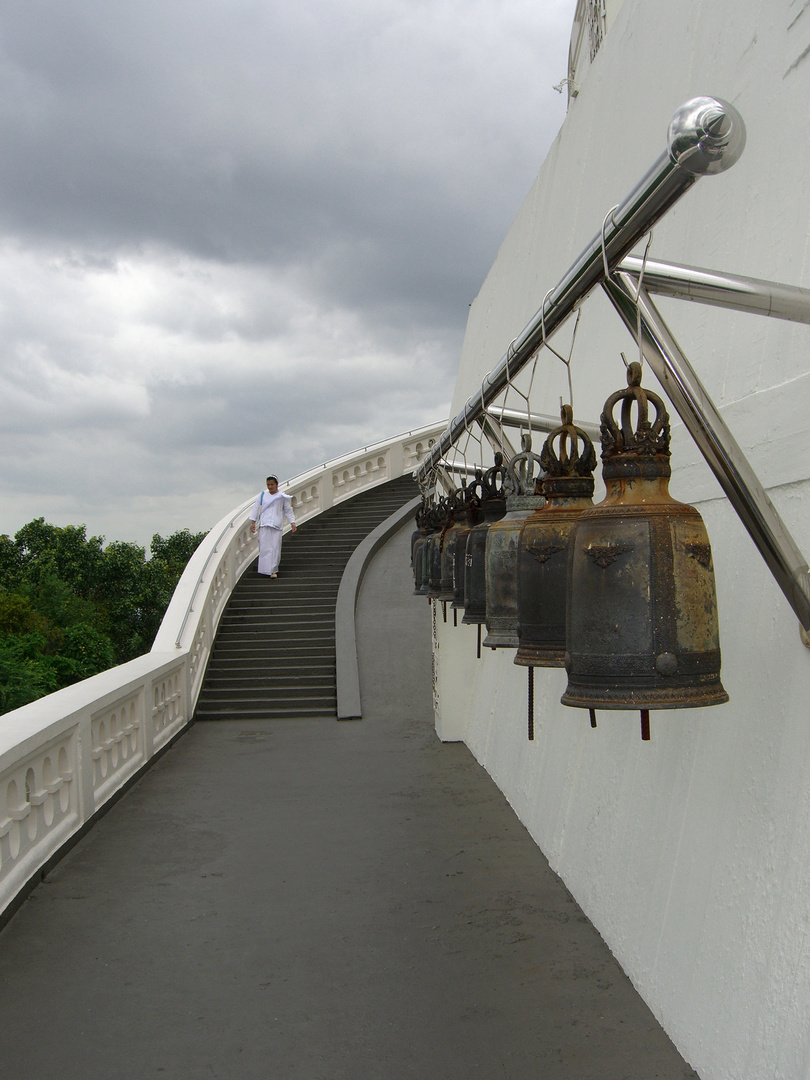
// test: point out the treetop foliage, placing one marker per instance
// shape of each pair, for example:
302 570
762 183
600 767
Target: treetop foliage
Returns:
71 606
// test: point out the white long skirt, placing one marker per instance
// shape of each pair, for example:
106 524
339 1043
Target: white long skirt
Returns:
269 549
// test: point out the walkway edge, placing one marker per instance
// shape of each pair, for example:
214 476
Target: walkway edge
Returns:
349 705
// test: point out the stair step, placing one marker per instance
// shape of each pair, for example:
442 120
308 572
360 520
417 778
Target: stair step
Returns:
268 682
267 712
259 694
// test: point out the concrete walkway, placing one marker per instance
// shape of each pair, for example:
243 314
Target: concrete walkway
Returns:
315 900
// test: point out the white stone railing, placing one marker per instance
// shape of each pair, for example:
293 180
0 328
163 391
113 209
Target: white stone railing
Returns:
63 757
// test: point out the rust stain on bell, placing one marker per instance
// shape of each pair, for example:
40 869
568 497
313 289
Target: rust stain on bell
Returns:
642 611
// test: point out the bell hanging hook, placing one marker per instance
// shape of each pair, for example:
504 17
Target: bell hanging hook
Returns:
636 298
551 349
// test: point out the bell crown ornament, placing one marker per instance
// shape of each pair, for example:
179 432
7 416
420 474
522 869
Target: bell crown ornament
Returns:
473 493
496 479
640 451
568 459
497 484
526 468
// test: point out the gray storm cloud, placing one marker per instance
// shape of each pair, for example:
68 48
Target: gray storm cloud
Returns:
243 233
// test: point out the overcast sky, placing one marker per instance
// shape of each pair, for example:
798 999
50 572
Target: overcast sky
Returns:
243 235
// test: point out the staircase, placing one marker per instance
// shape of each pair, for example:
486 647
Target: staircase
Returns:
274 654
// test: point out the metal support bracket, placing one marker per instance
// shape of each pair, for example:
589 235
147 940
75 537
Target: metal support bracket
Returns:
701 417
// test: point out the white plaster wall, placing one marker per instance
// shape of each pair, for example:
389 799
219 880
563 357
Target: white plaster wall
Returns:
690 853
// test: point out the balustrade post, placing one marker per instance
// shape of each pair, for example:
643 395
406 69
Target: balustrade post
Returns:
396 458
84 766
148 718
326 489
232 564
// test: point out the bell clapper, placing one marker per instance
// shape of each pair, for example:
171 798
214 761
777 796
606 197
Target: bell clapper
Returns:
444 611
455 616
478 650
645 725
592 713
531 704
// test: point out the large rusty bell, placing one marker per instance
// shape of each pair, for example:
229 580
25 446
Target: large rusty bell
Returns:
496 484
642 610
542 576
501 548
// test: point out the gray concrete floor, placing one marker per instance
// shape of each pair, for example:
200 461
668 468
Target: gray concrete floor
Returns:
315 900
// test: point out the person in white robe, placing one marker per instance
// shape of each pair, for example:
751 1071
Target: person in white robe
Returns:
269 511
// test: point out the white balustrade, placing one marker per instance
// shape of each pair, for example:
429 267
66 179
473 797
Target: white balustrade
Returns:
63 757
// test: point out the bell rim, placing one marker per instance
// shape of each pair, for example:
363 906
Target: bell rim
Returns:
657 699
494 640
472 620
531 658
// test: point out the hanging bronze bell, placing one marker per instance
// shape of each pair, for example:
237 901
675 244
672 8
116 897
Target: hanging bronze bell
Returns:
449 541
444 520
419 532
418 539
496 485
432 528
418 565
501 548
642 610
542 560
473 495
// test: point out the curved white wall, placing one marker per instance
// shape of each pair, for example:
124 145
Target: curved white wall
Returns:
690 853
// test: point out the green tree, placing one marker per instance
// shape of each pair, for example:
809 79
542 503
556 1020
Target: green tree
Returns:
71 607
27 670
